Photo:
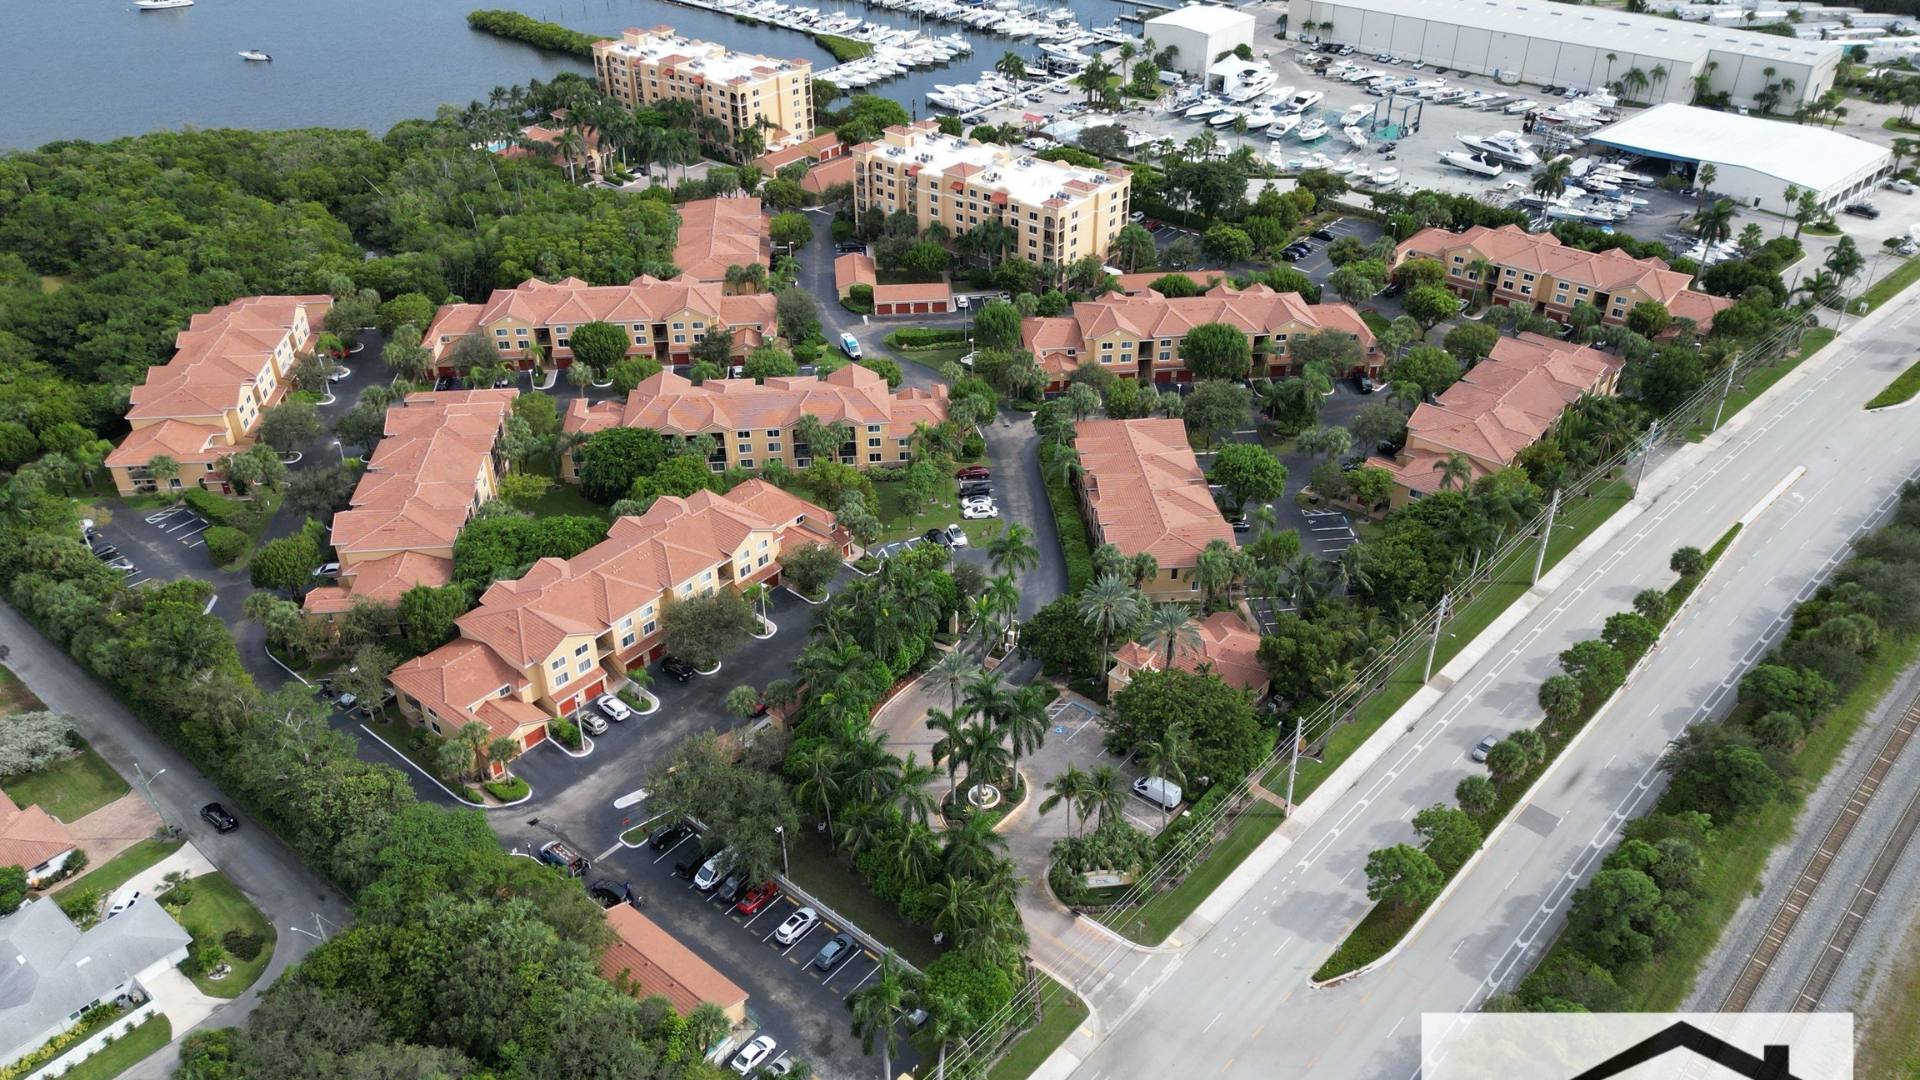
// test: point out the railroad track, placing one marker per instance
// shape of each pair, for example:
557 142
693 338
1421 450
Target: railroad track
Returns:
1787 916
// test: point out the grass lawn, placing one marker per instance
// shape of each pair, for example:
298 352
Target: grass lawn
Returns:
114 873
843 48
1899 390
1759 381
897 524
831 880
1511 581
1887 1047
1060 1013
1150 923
216 908
1375 321
931 359
14 695
122 1053
1888 287
565 498
70 789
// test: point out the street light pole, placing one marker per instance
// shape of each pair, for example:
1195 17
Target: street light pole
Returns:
342 449
1433 646
781 832
1546 535
1726 389
146 788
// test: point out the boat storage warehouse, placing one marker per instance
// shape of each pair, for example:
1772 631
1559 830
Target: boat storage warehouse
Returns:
1200 32
1549 44
1755 160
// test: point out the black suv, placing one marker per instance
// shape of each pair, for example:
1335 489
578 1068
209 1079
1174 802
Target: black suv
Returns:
1862 209
678 668
217 816
668 835
610 893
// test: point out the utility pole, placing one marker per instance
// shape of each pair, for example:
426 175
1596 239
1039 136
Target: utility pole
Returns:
1725 389
781 832
1546 535
1293 764
1646 451
146 788
1433 646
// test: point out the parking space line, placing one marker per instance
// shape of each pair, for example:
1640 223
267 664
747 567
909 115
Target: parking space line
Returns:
801 938
764 908
863 982
672 849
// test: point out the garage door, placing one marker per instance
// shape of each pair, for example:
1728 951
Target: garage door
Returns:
537 735
922 307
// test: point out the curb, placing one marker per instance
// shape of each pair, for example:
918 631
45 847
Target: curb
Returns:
586 743
434 780
807 599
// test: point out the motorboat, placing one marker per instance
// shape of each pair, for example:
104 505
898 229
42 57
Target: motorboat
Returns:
1206 106
1478 98
1314 129
161 5
1387 175
1503 146
1343 167
1226 116
1517 107
1259 118
1249 83
1282 126
1491 101
1355 115
1355 135
1478 164
254 54
1448 95
1304 100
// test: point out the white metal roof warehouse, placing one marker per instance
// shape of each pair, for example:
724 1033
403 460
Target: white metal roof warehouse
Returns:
1540 42
1755 160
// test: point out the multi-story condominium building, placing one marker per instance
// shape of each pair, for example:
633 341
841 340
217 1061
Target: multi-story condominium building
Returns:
1139 336
719 234
1499 408
754 424
1142 490
741 90
1537 271
437 463
664 318
230 365
1059 212
546 644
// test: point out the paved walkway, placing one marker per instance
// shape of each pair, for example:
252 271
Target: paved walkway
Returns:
115 827
149 882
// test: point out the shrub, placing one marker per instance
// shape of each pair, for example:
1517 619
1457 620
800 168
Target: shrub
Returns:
242 945
509 789
225 544
82 906
923 337
566 731
219 509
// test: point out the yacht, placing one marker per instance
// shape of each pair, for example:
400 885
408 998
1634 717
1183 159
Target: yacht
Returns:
1386 176
1206 106
1448 95
1478 164
1315 128
161 5
1259 118
1249 83
1226 116
1355 135
1304 100
253 54
1503 146
1282 126
1479 98
1356 114
1495 100
1518 107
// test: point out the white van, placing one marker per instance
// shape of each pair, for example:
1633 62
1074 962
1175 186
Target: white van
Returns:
850 345
1162 793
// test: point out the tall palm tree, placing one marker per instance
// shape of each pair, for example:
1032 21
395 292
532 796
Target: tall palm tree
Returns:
918 855
1455 471
1162 758
870 774
1548 181
953 671
1659 75
1006 601
1308 579
1011 65
1169 627
950 726
1106 795
1012 551
910 795
983 751
818 765
877 1009
959 908
1069 789
1025 725
973 847
1109 606
473 738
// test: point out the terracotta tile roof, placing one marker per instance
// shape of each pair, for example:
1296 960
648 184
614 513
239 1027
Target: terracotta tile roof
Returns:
1500 407
1256 310
827 174
1543 253
853 269
183 442
718 233
820 146
386 579
908 294
1226 645
1146 489
656 963
29 835
1141 282
221 352
461 681
672 405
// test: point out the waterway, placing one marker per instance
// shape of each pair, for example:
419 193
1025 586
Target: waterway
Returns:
100 69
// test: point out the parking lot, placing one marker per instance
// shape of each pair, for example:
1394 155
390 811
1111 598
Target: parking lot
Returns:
163 544
1327 533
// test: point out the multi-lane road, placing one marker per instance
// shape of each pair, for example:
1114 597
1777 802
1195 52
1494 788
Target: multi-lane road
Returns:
1237 1002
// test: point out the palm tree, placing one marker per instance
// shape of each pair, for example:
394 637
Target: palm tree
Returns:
951 726
953 671
1659 75
1006 601
1635 81
1025 725
984 753
164 470
473 738
818 765
1548 182
1011 65
1455 471
973 847
1012 551
959 908
917 856
1308 579
1715 223
1069 788
877 1009
706 1024
1110 605
1611 57
1703 179
1106 795
1162 758
910 794
502 750
1169 627
870 773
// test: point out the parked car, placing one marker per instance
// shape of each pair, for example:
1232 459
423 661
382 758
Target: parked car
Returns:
796 926
1904 187
217 816
609 893
752 1054
848 247
956 537
1292 254
125 901
733 888
678 668
834 952
974 488
1365 384
1158 791
758 897
346 701
688 866
710 871
1239 521
1863 209
1485 746
974 472
339 373
668 835
615 709
556 853
1322 235
328 569
106 553
121 563
592 723
850 345
938 536
978 510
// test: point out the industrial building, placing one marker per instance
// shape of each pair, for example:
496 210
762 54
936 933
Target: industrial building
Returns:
1755 160
1200 33
1549 44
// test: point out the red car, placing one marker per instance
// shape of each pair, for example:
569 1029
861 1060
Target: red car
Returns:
758 897
974 472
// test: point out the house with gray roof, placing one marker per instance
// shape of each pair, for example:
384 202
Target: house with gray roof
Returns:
52 972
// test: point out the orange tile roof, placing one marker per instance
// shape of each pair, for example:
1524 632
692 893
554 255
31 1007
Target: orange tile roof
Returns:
1256 310
718 233
910 294
183 442
220 353
672 405
657 963
1226 646
852 269
817 147
571 302
1141 282
827 174
1146 489
461 682
1500 407
29 835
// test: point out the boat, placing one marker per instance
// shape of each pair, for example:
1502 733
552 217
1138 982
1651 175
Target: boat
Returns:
161 5
1503 146
1448 95
1226 116
1259 118
1386 175
1517 107
1492 101
1355 135
1207 106
1343 166
1478 164
254 54
1304 100
1315 128
1362 111
1282 126
1249 83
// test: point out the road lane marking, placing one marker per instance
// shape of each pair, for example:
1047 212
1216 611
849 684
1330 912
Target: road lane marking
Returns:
1210 1023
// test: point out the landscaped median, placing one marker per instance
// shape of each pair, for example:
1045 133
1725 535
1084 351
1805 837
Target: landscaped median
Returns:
1898 392
1405 880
